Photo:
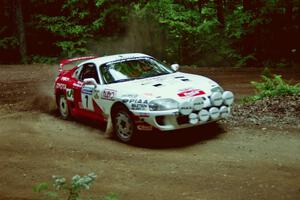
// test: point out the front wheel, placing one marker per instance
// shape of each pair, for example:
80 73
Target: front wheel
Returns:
123 124
63 107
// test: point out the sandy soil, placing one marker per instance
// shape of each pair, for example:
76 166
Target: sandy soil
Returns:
209 162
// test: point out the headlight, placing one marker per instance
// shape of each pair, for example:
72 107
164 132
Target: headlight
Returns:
163 104
216 99
216 89
228 98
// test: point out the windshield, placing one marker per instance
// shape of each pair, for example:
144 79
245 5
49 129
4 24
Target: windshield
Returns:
126 70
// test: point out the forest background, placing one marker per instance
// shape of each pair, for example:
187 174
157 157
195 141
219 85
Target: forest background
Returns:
233 33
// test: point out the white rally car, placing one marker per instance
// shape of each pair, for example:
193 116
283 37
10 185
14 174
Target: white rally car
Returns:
135 92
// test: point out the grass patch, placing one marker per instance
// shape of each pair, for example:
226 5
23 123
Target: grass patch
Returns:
272 85
61 189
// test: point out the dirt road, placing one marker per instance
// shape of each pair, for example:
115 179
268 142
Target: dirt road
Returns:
209 162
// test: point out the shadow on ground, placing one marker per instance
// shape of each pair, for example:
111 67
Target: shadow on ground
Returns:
159 140
180 138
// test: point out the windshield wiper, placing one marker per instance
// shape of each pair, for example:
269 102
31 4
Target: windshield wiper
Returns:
159 74
121 80
126 79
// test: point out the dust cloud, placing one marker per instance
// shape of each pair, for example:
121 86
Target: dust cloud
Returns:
41 93
143 36
44 99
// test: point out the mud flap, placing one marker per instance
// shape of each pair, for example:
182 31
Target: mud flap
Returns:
109 128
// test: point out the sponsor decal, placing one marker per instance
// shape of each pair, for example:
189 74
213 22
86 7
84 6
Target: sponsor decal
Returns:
131 96
86 90
143 115
144 127
60 86
139 106
191 93
134 57
70 94
136 104
65 78
138 101
151 80
108 94
78 84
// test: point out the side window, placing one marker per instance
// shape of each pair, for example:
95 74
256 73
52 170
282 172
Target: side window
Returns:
106 76
76 73
89 71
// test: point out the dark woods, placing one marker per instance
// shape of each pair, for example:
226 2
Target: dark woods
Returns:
200 32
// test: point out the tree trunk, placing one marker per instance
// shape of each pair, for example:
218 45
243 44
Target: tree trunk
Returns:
21 31
289 11
220 11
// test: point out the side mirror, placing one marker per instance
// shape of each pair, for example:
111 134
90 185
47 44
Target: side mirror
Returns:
175 67
90 81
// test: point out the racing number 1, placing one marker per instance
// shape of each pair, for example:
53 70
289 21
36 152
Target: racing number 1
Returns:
87 100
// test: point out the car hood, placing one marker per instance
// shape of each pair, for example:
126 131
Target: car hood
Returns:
176 86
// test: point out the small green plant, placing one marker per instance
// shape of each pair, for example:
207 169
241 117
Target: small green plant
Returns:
43 59
272 85
62 190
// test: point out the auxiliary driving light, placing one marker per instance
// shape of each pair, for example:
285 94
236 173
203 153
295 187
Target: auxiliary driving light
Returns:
198 103
224 111
203 115
186 108
216 99
214 112
193 118
228 97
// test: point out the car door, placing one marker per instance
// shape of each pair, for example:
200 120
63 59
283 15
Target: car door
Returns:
84 92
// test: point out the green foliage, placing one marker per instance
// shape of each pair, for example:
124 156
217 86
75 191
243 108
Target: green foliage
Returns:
192 33
73 48
243 60
62 26
271 86
64 190
8 42
235 24
43 59
191 30
111 196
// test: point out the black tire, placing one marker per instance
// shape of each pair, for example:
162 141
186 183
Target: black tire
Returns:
123 125
63 107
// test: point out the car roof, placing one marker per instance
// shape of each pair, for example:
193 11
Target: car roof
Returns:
105 59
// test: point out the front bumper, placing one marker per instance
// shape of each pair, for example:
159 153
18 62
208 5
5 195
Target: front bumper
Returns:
176 119
172 120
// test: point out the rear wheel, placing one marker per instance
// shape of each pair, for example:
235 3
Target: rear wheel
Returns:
63 107
123 124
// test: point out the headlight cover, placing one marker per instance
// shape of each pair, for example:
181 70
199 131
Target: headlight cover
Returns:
216 89
163 104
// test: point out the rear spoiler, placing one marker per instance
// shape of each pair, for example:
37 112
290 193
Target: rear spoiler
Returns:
68 61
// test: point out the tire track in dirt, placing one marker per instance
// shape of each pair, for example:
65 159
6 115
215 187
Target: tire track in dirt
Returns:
207 162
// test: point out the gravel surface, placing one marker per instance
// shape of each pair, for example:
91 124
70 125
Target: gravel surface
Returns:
240 158
271 111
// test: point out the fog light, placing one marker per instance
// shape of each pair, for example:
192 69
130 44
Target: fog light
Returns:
186 108
214 112
203 115
228 97
224 111
216 99
198 103
193 118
